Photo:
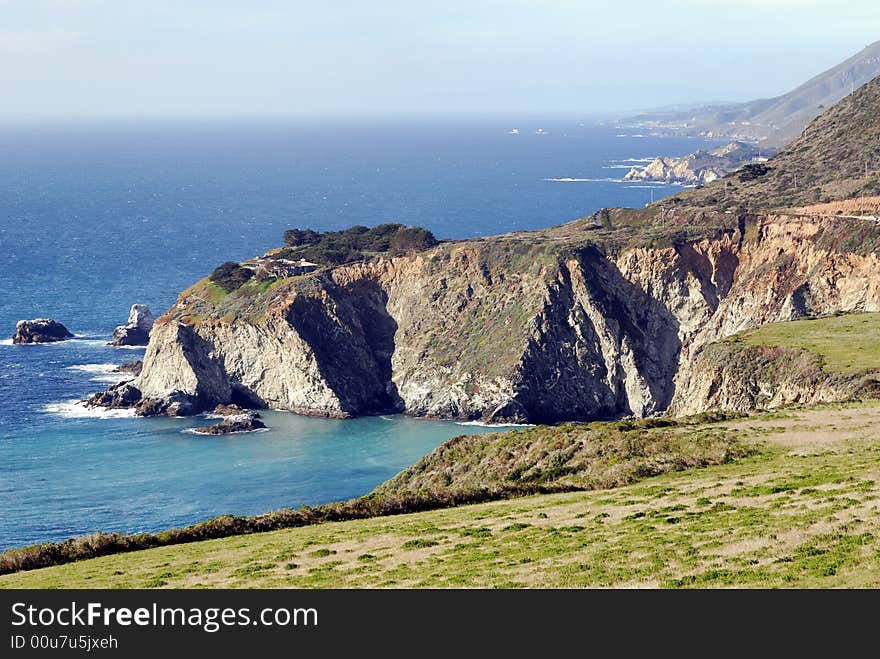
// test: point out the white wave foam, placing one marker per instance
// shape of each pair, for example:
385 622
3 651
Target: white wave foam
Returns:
192 431
81 340
84 341
635 159
617 167
131 347
112 378
93 368
584 180
77 409
102 372
486 424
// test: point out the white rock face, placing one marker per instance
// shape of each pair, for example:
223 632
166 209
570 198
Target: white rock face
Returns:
698 168
136 332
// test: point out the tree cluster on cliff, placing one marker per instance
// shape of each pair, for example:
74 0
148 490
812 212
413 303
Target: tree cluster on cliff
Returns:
356 243
230 276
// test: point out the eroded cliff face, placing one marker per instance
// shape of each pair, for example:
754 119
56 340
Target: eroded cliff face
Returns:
727 376
525 327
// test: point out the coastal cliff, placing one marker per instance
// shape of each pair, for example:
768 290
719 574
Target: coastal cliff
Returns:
567 323
606 316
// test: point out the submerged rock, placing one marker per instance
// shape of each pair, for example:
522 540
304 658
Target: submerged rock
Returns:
136 332
122 395
40 330
130 367
177 403
128 395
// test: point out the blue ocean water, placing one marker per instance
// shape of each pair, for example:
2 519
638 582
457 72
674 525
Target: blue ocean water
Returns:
95 217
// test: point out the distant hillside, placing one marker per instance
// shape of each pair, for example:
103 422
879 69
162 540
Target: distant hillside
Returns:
774 121
828 162
700 167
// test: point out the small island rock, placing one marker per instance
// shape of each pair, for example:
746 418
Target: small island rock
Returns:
40 330
245 422
231 410
136 332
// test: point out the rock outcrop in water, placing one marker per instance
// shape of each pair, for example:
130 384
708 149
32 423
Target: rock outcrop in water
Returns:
235 420
136 332
133 368
40 330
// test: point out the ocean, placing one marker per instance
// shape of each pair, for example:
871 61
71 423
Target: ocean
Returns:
97 216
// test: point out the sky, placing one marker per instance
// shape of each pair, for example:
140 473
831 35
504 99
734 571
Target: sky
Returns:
273 57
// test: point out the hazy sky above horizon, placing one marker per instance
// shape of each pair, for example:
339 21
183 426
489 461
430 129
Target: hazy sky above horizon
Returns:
228 57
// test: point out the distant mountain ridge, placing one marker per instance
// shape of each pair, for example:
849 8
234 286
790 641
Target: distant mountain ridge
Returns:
773 121
836 157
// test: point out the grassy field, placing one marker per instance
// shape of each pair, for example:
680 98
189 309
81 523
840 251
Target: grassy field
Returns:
848 344
801 512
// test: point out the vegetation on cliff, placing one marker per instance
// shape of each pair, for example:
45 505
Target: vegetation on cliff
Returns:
832 359
570 456
355 243
230 276
844 343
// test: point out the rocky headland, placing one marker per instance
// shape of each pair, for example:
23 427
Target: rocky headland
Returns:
700 167
576 322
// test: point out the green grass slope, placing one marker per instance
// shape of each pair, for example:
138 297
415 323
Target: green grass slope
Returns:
847 344
800 512
574 456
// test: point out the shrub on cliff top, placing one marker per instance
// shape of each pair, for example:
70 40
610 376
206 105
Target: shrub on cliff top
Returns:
753 170
411 239
297 237
354 243
229 276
